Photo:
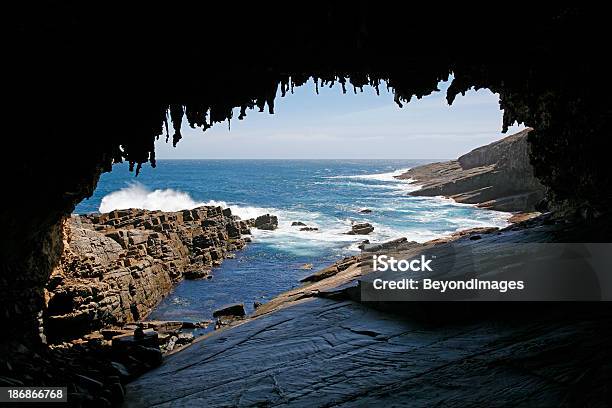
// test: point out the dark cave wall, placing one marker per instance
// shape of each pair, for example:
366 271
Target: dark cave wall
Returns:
32 234
92 86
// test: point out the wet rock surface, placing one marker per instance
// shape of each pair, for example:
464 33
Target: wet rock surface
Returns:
498 176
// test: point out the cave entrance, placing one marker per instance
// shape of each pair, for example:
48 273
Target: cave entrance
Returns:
324 165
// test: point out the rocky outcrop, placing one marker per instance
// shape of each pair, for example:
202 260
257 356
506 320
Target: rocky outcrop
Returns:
266 222
116 267
497 176
361 229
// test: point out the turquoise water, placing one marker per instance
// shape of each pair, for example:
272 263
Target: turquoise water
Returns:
326 194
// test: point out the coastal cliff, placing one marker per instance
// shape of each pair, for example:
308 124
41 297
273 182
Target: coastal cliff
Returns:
116 267
498 176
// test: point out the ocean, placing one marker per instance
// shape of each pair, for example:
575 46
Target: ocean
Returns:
327 194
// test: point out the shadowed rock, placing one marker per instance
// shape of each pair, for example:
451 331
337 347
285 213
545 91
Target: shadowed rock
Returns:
236 310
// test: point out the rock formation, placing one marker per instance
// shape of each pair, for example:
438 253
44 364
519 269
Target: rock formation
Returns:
116 267
521 353
266 222
108 96
497 176
555 87
361 229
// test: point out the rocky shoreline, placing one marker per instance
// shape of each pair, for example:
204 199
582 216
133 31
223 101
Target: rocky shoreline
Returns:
326 323
116 267
498 176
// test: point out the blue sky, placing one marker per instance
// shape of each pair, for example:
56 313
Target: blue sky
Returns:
332 125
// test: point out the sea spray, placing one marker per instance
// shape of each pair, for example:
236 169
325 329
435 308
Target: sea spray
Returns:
137 195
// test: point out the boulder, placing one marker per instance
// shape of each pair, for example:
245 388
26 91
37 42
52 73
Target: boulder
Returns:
309 229
365 211
361 229
298 224
266 222
236 310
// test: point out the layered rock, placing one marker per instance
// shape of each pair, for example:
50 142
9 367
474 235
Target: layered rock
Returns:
497 176
116 267
310 336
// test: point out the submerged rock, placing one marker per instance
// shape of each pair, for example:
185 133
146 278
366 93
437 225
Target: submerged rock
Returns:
298 224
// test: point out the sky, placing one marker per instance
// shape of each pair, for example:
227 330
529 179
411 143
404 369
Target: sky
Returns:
336 126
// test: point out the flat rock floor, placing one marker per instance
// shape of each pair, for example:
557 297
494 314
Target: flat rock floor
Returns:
322 352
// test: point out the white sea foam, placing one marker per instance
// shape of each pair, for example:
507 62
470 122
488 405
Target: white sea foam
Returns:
390 182
138 196
389 176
